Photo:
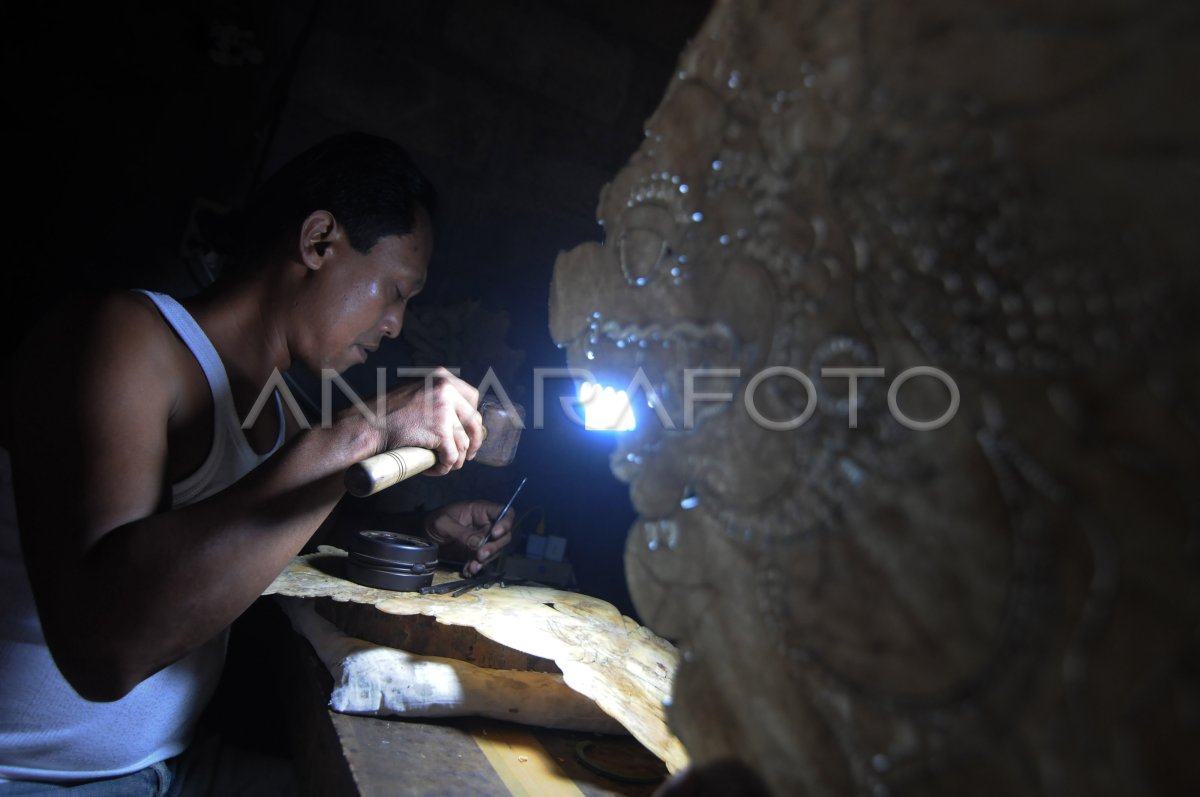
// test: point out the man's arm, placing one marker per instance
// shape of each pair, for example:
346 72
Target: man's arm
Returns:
124 585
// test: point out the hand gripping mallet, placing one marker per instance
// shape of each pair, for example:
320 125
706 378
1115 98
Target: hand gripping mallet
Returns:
501 433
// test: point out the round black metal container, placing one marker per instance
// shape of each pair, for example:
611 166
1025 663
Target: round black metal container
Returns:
387 560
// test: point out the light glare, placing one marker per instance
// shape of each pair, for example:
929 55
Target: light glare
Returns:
605 409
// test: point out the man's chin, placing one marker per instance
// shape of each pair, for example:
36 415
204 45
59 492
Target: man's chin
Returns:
355 355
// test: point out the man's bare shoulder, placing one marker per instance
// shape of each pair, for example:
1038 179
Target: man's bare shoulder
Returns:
89 340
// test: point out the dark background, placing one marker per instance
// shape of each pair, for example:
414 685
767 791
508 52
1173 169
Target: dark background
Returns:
130 122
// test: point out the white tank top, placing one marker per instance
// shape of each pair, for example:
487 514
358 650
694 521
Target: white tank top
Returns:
47 731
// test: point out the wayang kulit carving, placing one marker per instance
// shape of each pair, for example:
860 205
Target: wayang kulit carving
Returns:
1003 191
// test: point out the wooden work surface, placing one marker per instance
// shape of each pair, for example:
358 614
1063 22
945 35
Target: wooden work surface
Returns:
340 755
622 666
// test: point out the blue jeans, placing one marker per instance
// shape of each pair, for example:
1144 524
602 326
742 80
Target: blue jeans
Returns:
207 767
153 781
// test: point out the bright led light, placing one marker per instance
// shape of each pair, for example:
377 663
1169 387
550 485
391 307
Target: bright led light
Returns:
605 409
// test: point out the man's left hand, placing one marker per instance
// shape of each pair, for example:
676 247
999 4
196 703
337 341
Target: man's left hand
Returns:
465 526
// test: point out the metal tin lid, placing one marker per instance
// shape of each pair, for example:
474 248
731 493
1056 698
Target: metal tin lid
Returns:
391 548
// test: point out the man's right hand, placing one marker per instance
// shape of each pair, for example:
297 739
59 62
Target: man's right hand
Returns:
438 413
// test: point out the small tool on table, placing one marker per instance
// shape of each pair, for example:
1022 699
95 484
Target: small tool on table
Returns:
462 585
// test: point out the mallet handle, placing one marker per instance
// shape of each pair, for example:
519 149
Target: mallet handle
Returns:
383 470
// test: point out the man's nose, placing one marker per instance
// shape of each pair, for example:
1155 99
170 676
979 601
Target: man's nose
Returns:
392 322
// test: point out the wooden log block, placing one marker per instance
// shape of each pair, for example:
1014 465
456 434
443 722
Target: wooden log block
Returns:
624 667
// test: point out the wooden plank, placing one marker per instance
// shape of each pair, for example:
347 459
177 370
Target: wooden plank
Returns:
319 761
522 763
396 758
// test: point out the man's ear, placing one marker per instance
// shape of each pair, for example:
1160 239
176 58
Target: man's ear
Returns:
317 235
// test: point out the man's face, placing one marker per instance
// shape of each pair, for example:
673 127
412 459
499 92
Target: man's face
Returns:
360 298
